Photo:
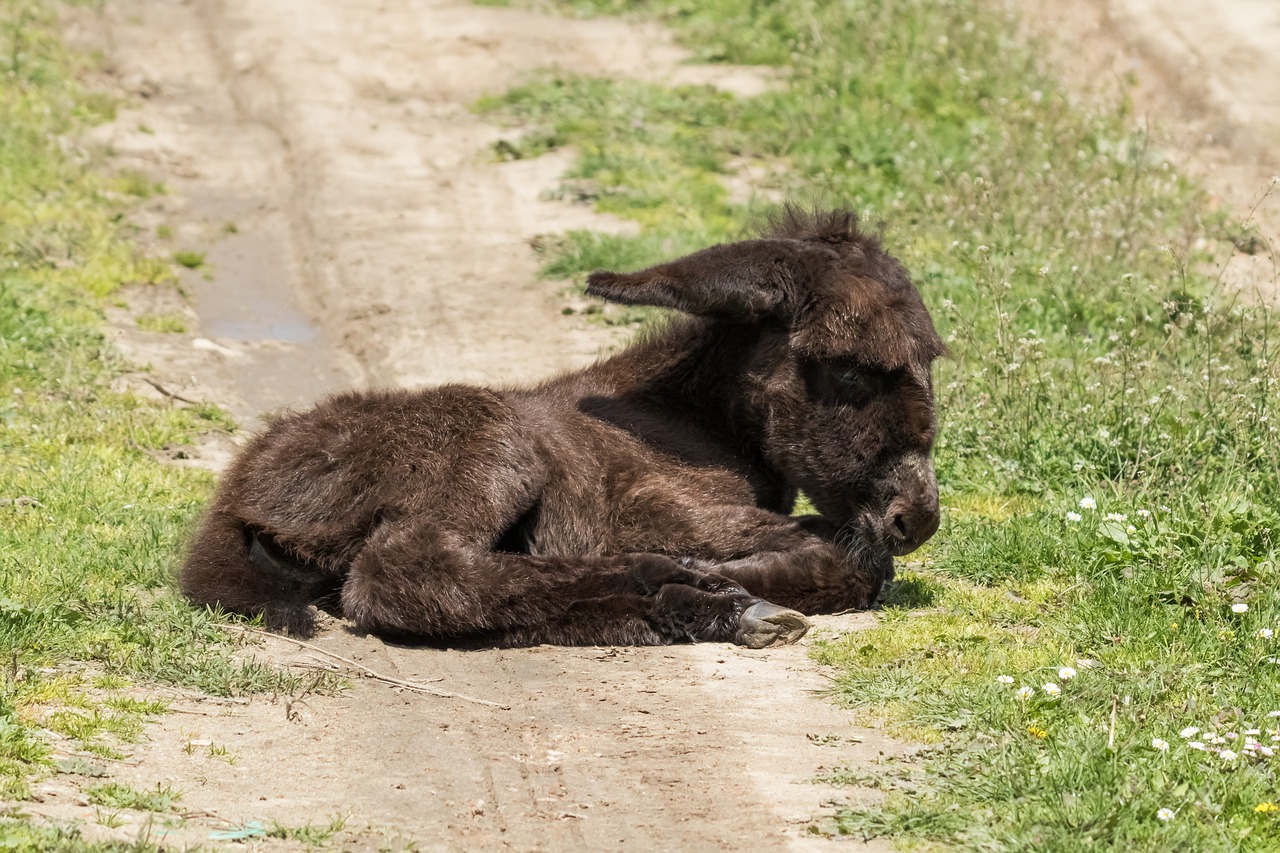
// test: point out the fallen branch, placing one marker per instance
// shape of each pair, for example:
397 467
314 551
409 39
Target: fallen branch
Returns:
165 391
377 676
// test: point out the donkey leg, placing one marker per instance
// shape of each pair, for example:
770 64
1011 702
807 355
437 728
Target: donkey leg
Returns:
677 613
805 563
413 579
818 577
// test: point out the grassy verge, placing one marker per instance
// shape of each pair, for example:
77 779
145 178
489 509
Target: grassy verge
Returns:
89 523
1090 649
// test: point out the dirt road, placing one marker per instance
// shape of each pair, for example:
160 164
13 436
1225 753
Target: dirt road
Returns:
358 232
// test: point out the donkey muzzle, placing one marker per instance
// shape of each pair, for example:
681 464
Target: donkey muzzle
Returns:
913 515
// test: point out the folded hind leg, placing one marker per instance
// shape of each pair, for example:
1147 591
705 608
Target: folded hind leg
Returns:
413 579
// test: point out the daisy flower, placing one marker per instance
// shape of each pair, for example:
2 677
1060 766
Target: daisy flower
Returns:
1162 745
1066 673
1052 689
1088 503
1165 814
1025 693
1004 679
1239 607
1074 516
1189 731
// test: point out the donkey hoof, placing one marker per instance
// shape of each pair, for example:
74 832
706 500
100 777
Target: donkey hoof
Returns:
764 624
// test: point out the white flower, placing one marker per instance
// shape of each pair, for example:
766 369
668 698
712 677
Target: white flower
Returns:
1189 731
1117 516
1162 745
1267 751
1195 744
1273 714
1131 529
1144 513
1165 814
1004 679
1239 607
1088 503
1024 693
1066 673
1210 737
1227 755
1232 735
1052 689
1074 516
1252 732
1165 509
1266 633
1086 663
1104 433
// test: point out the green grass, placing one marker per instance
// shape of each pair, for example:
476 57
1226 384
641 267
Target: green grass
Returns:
310 835
1108 451
189 259
172 323
90 524
116 796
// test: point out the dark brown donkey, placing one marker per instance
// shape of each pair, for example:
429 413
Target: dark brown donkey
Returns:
643 500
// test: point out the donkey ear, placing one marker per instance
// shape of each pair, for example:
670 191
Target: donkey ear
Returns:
739 281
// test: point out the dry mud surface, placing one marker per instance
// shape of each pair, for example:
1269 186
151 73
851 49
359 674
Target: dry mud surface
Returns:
697 748
323 154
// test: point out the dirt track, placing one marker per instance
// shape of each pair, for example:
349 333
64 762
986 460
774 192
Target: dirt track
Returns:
323 153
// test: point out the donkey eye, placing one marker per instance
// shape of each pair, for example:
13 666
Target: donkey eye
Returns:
852 382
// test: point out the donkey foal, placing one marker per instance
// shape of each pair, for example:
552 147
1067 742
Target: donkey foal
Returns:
644 500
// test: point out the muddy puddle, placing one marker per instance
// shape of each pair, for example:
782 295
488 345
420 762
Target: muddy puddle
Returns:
248 303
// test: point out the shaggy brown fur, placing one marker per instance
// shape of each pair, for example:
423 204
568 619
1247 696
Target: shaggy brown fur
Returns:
643 500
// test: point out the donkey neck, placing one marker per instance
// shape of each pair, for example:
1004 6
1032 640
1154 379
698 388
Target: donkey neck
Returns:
698 370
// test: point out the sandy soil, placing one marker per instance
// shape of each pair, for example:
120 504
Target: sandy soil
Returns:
697 748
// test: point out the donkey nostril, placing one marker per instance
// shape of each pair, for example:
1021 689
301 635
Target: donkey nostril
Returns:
900 526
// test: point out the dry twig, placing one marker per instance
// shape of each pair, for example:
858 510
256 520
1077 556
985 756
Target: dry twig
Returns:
165 391
377 676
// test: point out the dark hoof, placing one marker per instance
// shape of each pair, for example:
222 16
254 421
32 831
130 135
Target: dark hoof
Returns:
764 624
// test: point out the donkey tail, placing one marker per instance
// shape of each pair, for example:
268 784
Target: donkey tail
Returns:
232 566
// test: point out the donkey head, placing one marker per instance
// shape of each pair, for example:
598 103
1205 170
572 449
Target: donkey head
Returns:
837 384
